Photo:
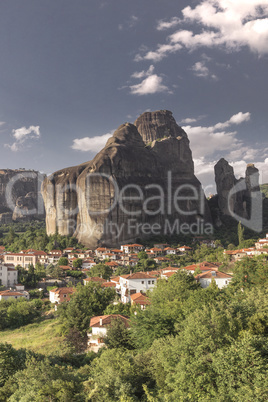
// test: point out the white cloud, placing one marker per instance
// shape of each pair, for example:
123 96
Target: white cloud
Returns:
149 85
142 74
201 70
207 140
230 24
91 144
162 24
22 137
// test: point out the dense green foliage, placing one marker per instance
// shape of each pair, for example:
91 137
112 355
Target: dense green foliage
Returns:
15 313
18 237
189 344
86 302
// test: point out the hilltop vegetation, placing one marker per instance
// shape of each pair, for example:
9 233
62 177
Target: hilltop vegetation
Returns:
264 189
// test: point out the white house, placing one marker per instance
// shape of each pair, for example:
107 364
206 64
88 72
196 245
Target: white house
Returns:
131 248
8 275
11 294
135 283
87 264
170 251
99 327
60 295
221 279
22 259
262 242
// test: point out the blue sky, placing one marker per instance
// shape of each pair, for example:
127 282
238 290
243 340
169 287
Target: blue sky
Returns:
72 71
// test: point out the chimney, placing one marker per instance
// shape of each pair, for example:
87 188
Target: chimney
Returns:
100 322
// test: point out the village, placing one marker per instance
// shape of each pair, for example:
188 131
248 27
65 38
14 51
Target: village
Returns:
131 287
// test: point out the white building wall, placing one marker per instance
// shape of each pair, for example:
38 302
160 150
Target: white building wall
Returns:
220 282
134 284
8 278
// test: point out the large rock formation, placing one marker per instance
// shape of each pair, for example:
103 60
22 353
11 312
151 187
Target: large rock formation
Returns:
238 197
20 197
127 191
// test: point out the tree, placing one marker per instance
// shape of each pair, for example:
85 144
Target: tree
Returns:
43 381
63 261
11 360
85 303
77 263
240 234
101 270
142 255
118 335
119 375
166 308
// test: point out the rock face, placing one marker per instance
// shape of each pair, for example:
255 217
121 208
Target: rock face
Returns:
20 197
158 125
235 195
127 191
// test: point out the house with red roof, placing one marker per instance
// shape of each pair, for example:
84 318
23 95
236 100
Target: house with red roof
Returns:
220 278
22 259
132 248
140 299
135 283
13 294
99 326
94 279
60 295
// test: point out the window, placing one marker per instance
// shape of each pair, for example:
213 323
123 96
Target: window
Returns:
142 282
132 291
152 282
149 282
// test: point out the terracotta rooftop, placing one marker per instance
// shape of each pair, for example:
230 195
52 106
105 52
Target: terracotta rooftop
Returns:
139 275
107 319
216 274
140 298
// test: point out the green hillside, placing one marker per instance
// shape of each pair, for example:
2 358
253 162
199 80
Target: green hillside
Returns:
42 337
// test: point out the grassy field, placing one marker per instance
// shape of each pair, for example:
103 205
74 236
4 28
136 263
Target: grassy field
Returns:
42 337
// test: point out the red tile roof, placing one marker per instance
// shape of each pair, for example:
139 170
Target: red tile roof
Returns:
138 275
107 319
140 298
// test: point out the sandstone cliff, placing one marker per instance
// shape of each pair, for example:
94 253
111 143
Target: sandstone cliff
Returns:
128 189
20 197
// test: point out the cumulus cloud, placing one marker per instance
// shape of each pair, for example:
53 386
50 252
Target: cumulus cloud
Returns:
91 144
230 24
206 140
23 136
151 84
